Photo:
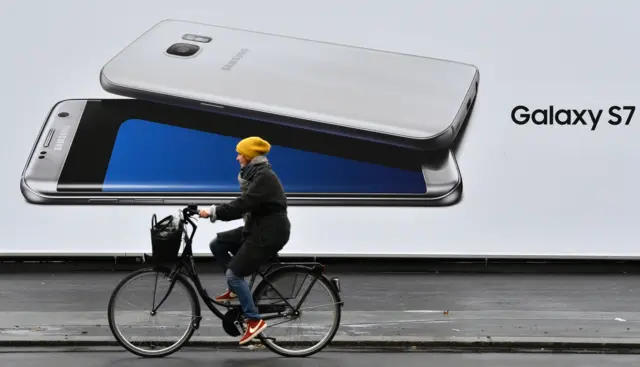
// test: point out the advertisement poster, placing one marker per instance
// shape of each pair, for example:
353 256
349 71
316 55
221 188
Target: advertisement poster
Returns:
440 129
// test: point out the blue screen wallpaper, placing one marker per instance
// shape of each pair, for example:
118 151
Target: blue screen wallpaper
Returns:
153 157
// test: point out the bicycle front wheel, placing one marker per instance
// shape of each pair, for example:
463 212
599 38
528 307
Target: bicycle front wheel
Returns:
151 315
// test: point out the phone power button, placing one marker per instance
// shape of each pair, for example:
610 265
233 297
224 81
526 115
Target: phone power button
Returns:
210 105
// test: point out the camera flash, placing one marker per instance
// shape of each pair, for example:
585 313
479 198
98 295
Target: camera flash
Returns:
196 38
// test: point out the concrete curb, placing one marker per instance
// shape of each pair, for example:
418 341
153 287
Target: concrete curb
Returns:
464 344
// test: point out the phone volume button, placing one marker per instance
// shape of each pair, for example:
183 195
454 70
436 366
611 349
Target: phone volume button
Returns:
103 201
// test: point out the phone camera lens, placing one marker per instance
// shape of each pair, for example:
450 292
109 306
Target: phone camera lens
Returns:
183 49
63 114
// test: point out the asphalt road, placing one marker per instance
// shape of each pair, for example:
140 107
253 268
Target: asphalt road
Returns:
77 292
444 306
415 306
10 358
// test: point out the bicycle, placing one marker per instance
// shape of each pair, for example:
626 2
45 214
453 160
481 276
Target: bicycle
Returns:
182 272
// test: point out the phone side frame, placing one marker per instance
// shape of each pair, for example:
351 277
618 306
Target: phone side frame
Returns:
439 141
446 139
442 177
41 190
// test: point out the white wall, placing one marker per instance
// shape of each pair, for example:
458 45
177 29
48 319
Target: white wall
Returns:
528 191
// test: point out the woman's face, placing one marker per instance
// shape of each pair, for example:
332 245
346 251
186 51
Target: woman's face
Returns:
242 160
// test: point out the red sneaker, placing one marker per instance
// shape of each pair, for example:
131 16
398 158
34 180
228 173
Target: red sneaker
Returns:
226 297
254 327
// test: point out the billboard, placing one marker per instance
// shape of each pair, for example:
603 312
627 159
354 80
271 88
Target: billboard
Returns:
504 130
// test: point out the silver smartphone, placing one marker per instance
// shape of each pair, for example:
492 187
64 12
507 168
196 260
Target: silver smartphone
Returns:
405 100
127 151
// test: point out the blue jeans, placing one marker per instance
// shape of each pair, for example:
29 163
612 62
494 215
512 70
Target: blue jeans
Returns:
240 287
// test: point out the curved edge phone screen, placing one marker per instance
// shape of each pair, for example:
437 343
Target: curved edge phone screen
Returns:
141 147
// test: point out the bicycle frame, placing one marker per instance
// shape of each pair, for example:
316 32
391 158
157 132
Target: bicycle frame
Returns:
186 266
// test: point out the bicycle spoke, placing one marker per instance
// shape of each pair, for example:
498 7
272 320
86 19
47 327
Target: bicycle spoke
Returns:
279 323
314 307
155 288
131 304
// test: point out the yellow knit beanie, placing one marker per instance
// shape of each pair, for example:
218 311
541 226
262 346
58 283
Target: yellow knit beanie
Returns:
253 146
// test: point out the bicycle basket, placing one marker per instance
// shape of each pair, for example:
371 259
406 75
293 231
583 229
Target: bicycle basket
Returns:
166 238
288 285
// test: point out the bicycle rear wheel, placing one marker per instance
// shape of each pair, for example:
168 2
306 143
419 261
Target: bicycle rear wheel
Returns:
178 308
322 302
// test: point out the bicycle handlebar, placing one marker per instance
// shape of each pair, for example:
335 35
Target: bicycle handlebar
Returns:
190 210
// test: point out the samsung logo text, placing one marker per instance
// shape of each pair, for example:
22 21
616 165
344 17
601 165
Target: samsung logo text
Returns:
229 65
64 132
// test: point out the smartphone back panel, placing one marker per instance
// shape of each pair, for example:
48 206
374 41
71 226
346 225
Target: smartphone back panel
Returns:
397 96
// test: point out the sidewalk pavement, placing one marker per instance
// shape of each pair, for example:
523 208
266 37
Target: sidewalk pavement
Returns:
485 311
